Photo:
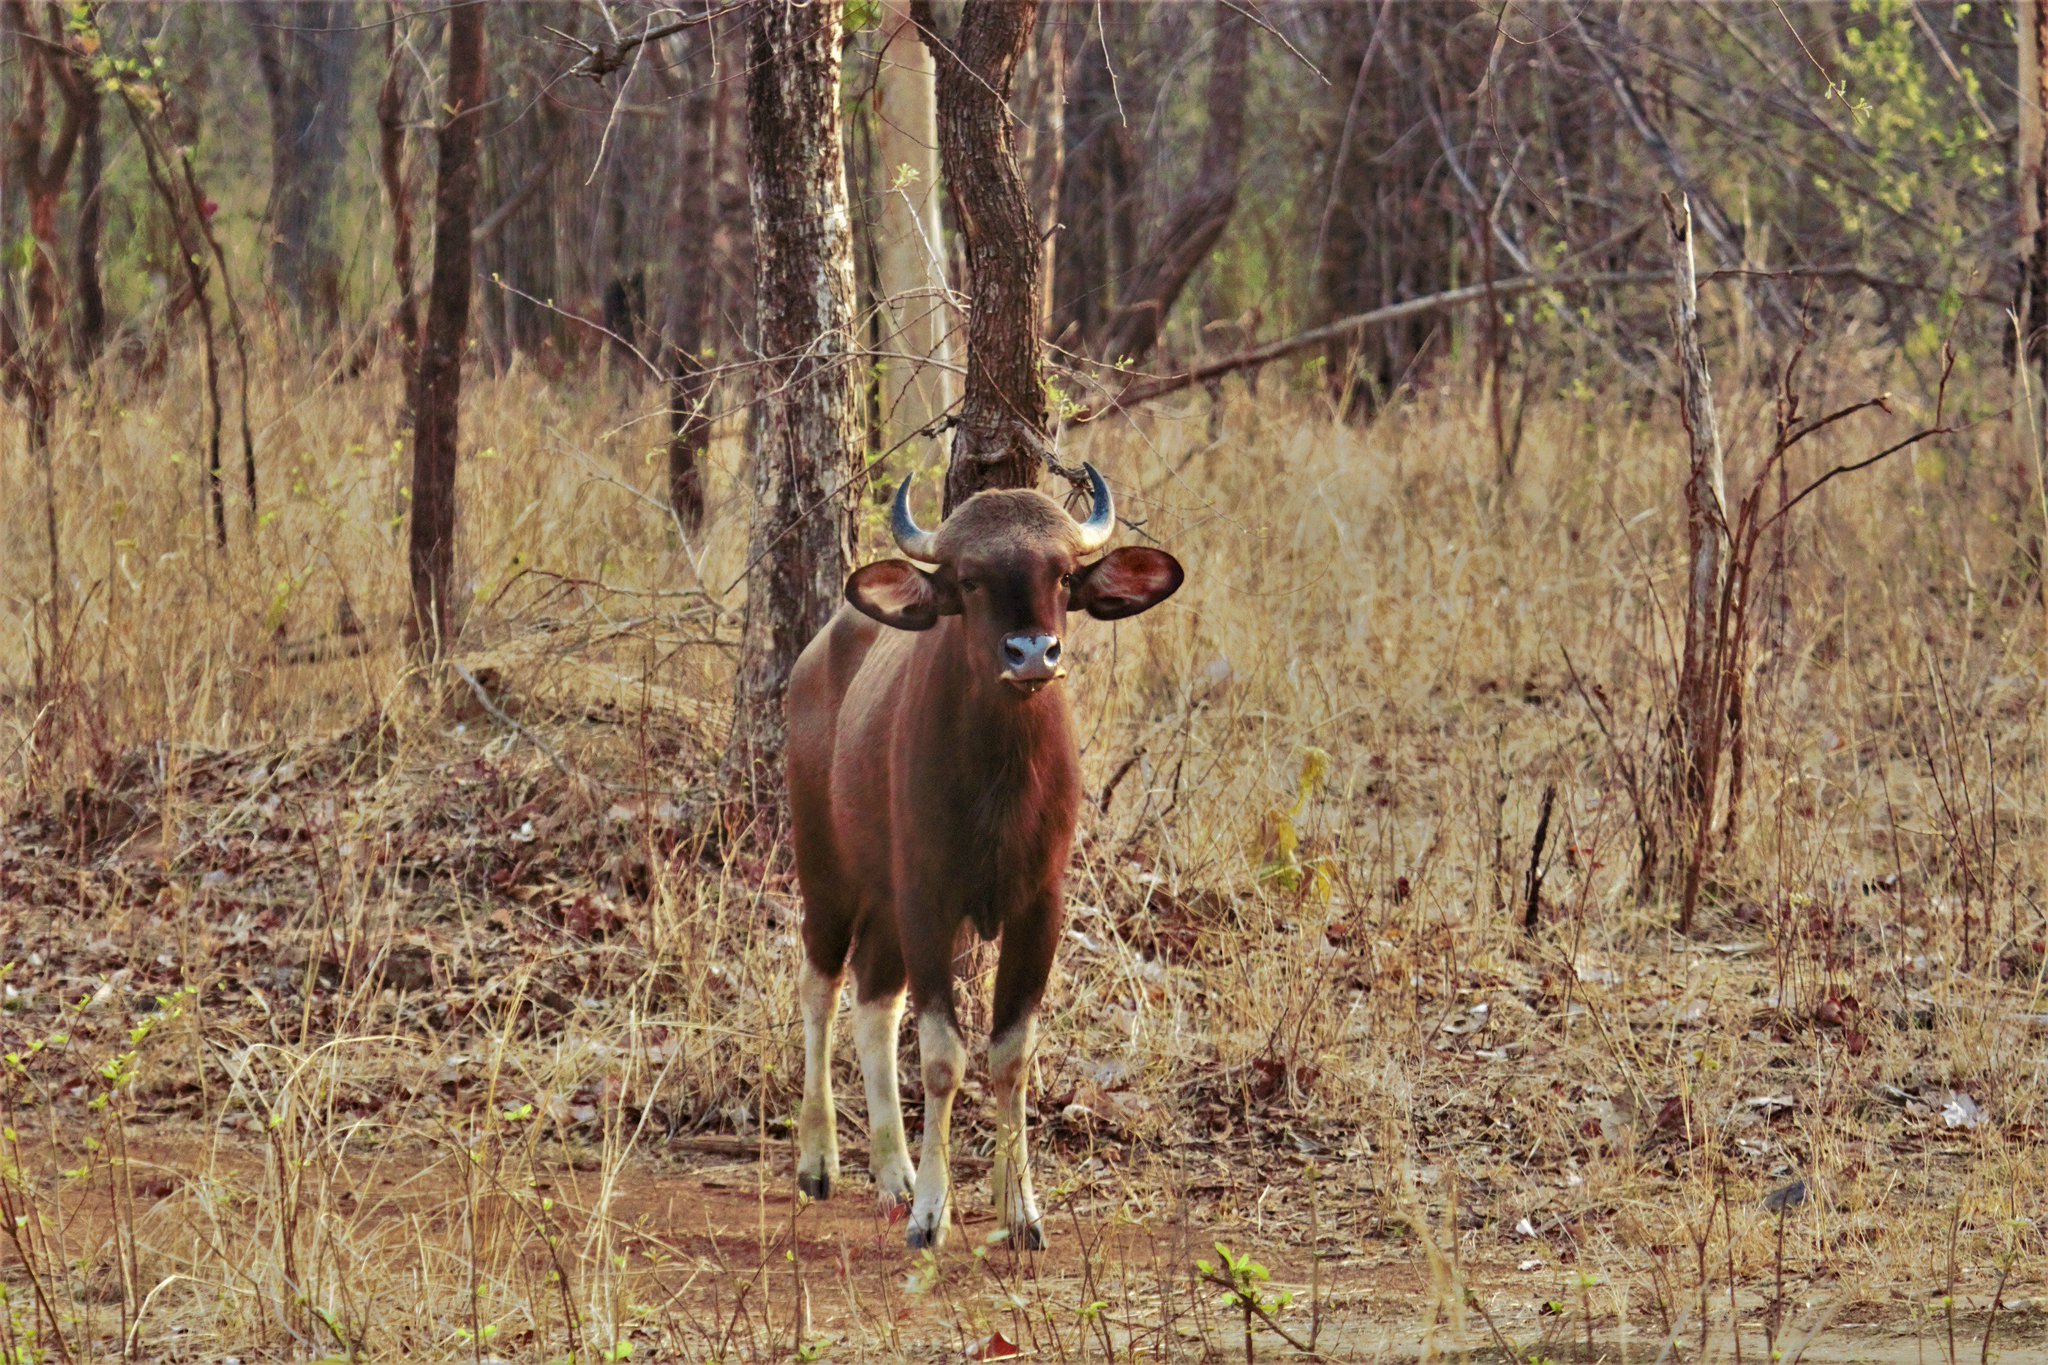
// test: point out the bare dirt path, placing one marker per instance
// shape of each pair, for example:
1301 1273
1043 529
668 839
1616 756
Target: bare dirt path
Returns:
699 1249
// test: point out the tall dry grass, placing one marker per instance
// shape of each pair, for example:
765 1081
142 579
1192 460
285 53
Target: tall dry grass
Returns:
351 1020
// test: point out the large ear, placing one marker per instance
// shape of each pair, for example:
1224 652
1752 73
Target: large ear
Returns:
898 593
1125 582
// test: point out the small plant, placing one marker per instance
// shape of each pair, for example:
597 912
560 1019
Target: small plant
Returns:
1282 859
1243 1282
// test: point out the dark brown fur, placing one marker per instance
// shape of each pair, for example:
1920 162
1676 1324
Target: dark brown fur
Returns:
925 792
933 783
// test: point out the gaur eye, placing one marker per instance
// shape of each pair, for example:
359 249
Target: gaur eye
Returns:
970 585
1066 580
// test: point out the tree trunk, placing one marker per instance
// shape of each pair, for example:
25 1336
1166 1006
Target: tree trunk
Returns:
525 171
694 286
807 456
1384 232
917 323
304 53
1001 439
91 324
1044 114
2031 182
1094 187
438 388
31 367
391 173
183 211
1700 698
1197 222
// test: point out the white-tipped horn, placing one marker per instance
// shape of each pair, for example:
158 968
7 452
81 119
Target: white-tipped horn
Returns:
1101 523
911 538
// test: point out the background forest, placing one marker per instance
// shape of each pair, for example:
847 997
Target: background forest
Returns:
1563 880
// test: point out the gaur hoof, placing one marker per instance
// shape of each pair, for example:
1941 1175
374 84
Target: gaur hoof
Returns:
1031 1238
817 1186
922 1235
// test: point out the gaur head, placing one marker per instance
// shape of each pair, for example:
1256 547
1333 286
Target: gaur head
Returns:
1011 564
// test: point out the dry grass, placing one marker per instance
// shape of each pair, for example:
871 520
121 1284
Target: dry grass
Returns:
349 1023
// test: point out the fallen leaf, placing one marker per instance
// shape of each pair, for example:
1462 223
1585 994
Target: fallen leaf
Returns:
997 1347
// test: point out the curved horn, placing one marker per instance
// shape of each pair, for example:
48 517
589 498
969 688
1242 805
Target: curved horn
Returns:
911 538
1101 523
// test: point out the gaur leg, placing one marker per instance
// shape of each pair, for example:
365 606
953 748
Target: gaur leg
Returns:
817 1128
877 1011
1021 974
943 1059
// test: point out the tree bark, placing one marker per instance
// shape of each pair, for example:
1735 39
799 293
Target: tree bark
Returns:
694 286
1387 229
391 173
90 334
917 326
1000 441
30 365
2031 182
807 456
1700 698
1096 185
1197 222
438 388
1044 115
304 54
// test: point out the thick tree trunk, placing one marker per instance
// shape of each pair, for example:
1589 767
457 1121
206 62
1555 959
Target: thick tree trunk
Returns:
304 53
807 456
917 323
1189 233
1001 439
694 286
438 389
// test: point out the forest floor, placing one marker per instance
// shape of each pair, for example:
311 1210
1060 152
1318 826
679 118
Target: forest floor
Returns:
450 1028
349 1019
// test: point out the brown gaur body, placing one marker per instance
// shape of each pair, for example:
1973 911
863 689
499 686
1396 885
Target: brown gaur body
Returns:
934 782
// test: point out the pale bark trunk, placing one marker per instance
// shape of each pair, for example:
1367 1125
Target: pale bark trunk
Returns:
1700 696
397 183
438 389
2031 183
917 380
1001 439
693 289
808 436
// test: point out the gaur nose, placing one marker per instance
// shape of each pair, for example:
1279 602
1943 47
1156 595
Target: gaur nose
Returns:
1031 661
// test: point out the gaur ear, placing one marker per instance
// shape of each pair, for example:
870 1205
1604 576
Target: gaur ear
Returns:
1125 582
898 593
